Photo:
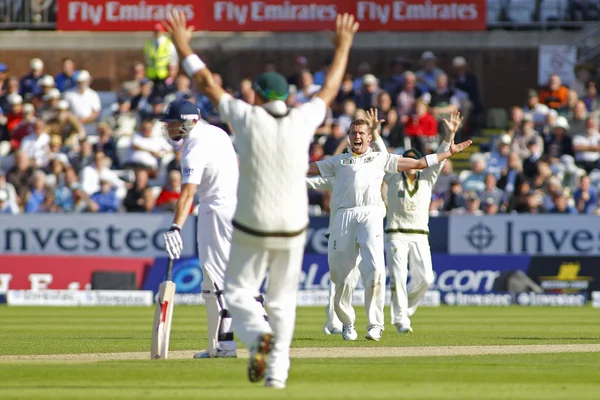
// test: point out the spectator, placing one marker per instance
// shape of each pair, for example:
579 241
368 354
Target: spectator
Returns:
392 131
37 144
49 203
56 149
367 97
519 201
443 100
587 146
181 87
91 175
467 82
105 200
454 198
347 116
81 201
491 191
175 163
346 92
364 68
420 127
35 196
535 109
316 152
534 203
67 78
167 199
555 94
24 127
123 121
146 150
28 84
319 76
246 93
83 101
511 178
334 140
395 81
436 205
474 180
66 126
47 109
5 206
158 54
427 77
106 144
408 97
10 92
490 207
568 110
577 122
170 81
591 99
523 136
10 202
559 143
583 75
55 172
541 180
20 174
551 120
15 115
515 121
3 79
141 103
300 64
148 201
586 197
45 85
473 204
131 88
308 87
561 205
499 157
442 185
554 190
530 164
134 200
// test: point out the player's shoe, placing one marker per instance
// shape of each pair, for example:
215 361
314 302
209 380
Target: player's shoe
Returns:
219 354
333 331
403 329
349 333
274 383
257 365
374 334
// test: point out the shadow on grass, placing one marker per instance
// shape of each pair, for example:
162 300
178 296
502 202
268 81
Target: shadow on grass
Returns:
552 338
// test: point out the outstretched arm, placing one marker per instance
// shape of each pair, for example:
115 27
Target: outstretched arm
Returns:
452 126
405 164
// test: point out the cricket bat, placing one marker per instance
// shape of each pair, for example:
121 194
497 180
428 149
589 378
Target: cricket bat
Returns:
161 329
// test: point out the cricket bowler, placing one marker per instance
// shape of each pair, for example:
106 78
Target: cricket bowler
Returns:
407 230
271 217
209 169
358 225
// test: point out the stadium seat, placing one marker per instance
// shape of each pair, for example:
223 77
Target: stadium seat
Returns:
497 118
107 100
7 162
123 149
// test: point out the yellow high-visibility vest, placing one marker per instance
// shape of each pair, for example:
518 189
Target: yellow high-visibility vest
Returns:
157 59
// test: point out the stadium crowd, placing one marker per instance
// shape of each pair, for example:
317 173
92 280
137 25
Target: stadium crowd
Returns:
64 149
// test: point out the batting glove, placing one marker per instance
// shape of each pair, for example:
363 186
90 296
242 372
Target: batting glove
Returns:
173 242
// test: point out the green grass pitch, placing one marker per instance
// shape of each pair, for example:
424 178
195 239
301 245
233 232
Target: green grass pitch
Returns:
37 330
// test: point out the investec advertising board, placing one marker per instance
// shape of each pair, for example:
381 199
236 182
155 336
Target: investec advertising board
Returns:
548 235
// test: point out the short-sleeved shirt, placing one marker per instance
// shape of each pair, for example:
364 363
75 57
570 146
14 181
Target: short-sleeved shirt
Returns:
208 160
82 105
273 156
358 178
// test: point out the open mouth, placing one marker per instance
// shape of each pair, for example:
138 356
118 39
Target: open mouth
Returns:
357 143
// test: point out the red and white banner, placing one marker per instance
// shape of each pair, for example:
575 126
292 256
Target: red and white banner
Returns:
274 15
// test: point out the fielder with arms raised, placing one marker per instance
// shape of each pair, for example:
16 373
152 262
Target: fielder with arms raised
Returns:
407 230
272 213
358 225
209 168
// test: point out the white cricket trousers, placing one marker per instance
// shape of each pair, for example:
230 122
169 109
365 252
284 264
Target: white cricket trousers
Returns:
333 322
403 249
214 246
355 231
251 258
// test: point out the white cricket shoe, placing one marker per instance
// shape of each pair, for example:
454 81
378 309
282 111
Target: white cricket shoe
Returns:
218 354
374 334
404 329
333 331
274 383
349 333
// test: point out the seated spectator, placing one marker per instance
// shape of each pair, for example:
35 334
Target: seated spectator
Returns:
591 99
55 172
90 175
467 82
443 100
6 207
64 190
107 144
369 93
148 201
20 175
395 81
141 103
167 199
123 121
3 79
577 121
308 87
519 201
146 150
522 137
408 97
37 144
11 192
66 126
28 84
442 185
247 94
49 203
346 92
555 94
454 198
334 140
319 76
81 201
554 190
536 110
511 178
134 200
175 163
559 143
48 108
515 121
473 204
436 205
428 75
67 78
300 64
489 207
587 147
131 88
420 127
569 109
364 68
491 191
35 196
583 75
105 200
45 85
534 203
474 180
83 157
499 157
541 178
561 205
83 101
316 152
551 120
392 131
586 197
347 116
24 128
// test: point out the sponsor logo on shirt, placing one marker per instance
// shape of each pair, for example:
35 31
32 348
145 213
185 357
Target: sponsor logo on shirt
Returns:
368 160
348 161
188 171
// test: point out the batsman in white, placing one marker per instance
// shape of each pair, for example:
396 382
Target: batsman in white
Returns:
209 168
272 214
358 224
407 230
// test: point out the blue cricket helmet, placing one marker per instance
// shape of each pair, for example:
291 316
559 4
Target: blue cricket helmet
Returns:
181 110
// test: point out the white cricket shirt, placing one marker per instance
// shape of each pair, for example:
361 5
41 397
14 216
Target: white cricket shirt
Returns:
82 105
358 178
273 154
209 161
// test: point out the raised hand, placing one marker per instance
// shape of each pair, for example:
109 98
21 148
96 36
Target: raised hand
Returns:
372 119
176 25
454 123
457 148
345 29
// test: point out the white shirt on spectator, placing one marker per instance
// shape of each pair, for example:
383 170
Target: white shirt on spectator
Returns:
587 140
538 113
37 148
90 179
304 96
82 105
147 144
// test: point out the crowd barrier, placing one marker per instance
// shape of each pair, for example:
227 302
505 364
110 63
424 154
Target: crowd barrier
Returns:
472 257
